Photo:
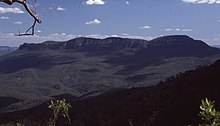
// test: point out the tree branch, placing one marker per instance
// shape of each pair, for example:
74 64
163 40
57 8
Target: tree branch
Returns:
26 33
23 2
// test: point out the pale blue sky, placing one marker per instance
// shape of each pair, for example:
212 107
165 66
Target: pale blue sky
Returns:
147 19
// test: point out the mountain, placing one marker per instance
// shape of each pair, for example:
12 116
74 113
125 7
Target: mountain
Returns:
122 51
173 102
83 43
217 46
85 67
5 50
178 45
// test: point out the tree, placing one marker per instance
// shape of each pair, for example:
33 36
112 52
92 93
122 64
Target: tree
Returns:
32 13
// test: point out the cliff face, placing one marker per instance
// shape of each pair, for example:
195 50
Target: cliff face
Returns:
163 46
79 43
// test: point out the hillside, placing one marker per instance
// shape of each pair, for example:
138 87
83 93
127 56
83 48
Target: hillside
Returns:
88 67
174 102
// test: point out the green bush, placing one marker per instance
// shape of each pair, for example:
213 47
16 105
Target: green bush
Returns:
60 108
19 124
209 114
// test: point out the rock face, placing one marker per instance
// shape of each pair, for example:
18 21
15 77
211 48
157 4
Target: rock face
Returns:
86 66
82 42
169 42
167 46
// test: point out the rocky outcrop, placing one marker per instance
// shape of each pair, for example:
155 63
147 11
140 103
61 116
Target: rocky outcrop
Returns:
83 42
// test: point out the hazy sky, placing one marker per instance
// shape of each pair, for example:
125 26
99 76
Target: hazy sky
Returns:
147 19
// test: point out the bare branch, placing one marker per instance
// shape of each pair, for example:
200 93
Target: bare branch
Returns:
27 32
23 2
32 13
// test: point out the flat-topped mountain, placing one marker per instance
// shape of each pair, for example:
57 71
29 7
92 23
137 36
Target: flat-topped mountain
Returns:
86 67
169 42
167 46
181 45
179 41
82 42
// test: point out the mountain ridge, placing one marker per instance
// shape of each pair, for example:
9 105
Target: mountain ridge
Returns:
83 42
112 42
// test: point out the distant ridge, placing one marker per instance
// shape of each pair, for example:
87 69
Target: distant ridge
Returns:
83 42
6 49
172 44
110 42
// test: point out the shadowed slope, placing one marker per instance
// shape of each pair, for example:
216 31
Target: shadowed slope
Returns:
174 102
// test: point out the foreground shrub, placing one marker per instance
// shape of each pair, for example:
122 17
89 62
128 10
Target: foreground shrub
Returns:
60 108
209 114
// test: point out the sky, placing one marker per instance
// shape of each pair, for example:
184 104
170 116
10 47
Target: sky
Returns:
145 19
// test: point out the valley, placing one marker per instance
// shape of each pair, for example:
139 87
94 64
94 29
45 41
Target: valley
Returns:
173 102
